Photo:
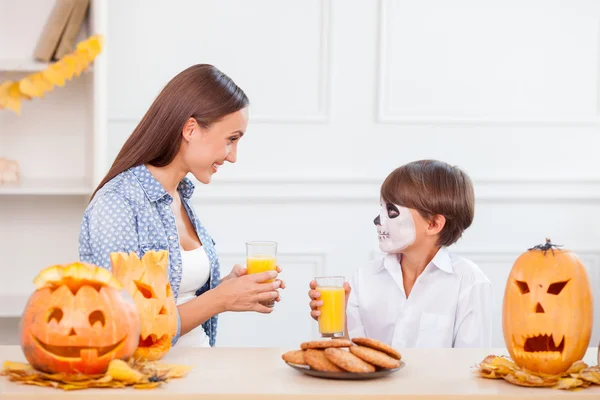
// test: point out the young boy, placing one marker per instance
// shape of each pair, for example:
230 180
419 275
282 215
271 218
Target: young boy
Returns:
420 294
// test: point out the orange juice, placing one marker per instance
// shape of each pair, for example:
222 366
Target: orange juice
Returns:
332 320
257 264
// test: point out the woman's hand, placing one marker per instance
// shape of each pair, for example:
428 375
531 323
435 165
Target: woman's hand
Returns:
271 303
314 296
236 272
247 292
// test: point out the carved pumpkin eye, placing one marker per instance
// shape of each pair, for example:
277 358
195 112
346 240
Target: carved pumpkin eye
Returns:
557 287
145 290
169 291
97 316
56 314
523 287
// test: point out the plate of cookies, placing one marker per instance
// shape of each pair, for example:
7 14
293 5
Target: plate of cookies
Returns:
359 358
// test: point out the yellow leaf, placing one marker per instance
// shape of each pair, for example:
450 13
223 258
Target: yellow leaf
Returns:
55 74
4 93
14 98
35 85
69 64
91 47
81 62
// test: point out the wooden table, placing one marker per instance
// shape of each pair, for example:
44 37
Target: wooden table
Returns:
258 374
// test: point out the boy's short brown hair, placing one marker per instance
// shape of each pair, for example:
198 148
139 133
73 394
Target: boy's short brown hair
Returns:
434 187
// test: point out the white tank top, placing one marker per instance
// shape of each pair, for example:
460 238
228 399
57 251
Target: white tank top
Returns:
195 271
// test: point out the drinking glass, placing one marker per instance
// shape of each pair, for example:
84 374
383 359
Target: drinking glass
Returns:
332 320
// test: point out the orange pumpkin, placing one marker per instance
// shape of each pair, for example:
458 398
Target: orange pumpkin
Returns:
547 309
78 320
147 282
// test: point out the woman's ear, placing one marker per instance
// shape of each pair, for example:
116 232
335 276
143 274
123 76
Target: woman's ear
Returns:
188 129
436 224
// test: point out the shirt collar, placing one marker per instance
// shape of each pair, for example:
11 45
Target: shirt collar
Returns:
441 260
154 190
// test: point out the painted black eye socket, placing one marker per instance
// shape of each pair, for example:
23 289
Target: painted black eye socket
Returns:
392 210
523 287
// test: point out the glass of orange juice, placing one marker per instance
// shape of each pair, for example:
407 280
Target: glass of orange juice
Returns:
261 256
332 321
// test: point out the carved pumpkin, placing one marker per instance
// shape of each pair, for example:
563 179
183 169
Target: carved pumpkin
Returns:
547 310
147 282
78 320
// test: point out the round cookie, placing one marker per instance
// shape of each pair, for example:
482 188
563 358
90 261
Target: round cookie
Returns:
377 345
325 344
375 357
316 360
347 361
294 357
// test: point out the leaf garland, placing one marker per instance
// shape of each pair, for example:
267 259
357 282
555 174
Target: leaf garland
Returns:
36 85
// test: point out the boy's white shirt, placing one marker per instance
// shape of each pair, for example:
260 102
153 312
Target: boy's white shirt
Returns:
450 305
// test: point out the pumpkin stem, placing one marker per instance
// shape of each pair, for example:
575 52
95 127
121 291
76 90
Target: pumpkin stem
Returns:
547 246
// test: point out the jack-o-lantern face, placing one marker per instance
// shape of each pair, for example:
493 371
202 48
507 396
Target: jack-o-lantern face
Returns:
78 320
147 282
547 310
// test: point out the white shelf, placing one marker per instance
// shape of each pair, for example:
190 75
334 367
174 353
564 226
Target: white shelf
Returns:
12 305
46 187
24 65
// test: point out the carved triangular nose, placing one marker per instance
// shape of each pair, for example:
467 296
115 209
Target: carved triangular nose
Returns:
72 333
377 221
539 308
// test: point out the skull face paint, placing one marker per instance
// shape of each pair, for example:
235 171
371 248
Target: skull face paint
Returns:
395 227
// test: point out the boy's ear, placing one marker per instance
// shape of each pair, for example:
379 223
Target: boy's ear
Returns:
436 224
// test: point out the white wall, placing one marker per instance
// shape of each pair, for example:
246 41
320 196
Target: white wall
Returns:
344 91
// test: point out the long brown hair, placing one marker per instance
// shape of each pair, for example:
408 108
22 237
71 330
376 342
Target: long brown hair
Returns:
200 91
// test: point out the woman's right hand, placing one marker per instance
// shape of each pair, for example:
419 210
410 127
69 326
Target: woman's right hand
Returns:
315 302
246 292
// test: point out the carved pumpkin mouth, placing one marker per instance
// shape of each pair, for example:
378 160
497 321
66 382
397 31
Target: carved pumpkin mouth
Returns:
541 344
82 352
153 341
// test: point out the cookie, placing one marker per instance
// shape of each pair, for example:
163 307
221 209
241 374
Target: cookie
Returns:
316 360
377 345
325 344
347 361
375 357
294 357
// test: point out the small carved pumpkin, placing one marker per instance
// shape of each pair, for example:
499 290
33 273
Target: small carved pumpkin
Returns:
78 320
547 310
147 282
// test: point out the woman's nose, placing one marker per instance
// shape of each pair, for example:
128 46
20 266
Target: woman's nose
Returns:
232 156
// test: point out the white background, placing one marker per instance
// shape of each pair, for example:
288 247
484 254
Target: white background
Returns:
345 91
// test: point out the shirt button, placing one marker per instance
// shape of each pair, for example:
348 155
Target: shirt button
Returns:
171 237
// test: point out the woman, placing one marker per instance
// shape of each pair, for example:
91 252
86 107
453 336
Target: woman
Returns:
144 201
